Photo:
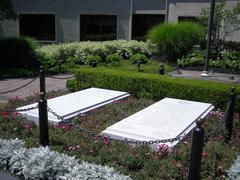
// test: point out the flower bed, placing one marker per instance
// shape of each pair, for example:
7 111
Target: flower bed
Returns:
138 162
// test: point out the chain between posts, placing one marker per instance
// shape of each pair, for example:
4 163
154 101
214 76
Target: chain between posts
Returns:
55 114
54 77
20 110
12 90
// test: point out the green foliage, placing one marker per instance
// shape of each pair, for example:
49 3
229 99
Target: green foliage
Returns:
18 52
230 60
114 59
194 58
175 40
78 51
155 86
138 58
90 59
225 22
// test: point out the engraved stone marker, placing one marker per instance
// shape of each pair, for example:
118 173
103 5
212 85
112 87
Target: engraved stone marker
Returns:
168 118
73 104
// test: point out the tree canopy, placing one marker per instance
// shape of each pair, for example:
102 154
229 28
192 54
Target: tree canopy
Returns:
6 10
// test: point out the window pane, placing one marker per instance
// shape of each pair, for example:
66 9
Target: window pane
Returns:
98 27
38 26
142 23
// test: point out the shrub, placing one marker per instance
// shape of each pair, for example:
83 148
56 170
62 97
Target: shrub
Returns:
42 163
175 40
234 171
114 59
138 58
152 85
75 52
90 59
18 52
230 60
195 58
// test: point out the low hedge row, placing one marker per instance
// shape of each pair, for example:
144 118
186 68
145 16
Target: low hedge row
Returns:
151 85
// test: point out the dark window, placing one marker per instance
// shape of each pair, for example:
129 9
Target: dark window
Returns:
187 18
142 23
38 26
98 27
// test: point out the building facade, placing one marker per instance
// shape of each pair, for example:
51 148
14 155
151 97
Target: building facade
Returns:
79 20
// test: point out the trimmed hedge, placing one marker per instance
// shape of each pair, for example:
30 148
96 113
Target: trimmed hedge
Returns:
151 85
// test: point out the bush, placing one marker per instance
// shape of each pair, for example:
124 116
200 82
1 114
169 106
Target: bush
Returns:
42 163
195 58
90 59
18 52
114 59
138 58
76 52
154 86
175 40
230 60
234 171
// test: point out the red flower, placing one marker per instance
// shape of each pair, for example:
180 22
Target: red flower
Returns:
205 154
4 114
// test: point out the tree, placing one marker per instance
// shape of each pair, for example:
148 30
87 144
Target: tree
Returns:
6 10
225 22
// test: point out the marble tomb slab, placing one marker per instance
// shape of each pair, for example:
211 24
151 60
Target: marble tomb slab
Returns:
168 118
71 105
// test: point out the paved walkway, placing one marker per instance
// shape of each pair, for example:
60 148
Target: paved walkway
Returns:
31 86
220 77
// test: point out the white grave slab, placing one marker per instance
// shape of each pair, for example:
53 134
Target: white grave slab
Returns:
73 104
168 118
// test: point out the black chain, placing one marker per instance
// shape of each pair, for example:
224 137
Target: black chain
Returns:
55 114
20 110
12 90
61 78
91 133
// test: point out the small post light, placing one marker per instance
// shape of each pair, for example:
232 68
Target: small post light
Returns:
161 69
138 65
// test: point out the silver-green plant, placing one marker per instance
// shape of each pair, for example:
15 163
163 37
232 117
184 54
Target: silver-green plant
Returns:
7 148
234 171
42 163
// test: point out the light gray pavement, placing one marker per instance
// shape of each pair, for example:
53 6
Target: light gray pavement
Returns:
30 89
220 77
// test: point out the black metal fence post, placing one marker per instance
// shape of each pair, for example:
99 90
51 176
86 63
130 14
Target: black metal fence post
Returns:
161 69
228 114
196 153
42 107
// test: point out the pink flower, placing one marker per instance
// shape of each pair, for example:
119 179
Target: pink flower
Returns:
64 127
28 126
106 140
162 150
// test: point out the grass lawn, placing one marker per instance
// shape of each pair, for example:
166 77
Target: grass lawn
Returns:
138 162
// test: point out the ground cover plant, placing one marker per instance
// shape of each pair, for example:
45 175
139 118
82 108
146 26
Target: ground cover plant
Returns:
229 60
138 162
